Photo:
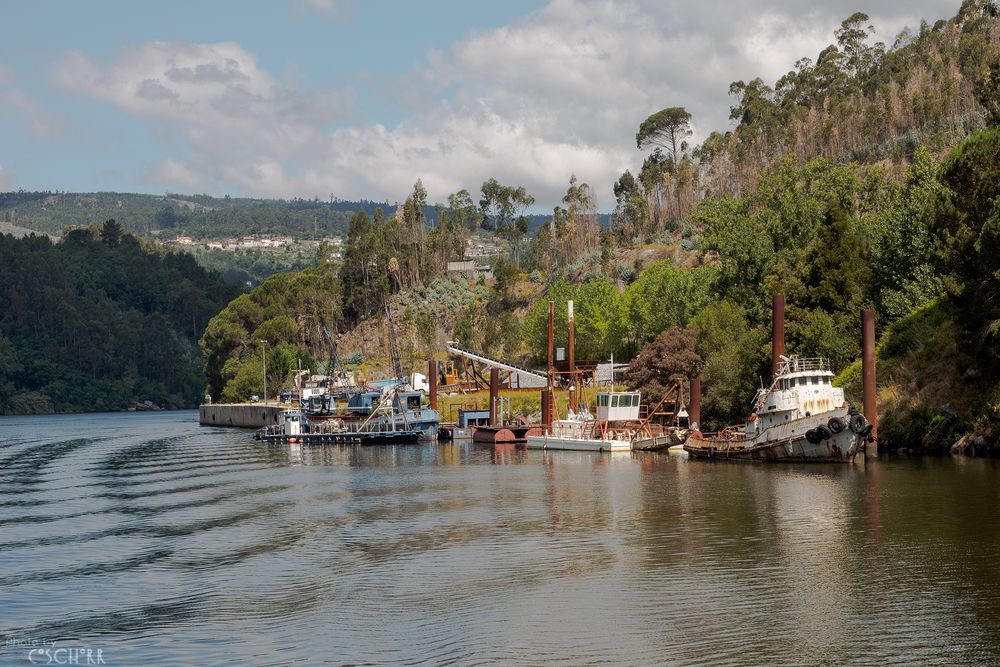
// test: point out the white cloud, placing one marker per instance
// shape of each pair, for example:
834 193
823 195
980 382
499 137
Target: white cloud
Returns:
240 123
39 122
560 91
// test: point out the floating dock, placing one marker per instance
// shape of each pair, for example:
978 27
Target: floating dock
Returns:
241 415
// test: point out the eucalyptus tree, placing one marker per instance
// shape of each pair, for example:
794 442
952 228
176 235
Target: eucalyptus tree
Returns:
502 209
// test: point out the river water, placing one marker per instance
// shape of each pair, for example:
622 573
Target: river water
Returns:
156 541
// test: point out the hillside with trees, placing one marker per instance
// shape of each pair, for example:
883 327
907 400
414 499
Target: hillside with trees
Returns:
101 321
838 185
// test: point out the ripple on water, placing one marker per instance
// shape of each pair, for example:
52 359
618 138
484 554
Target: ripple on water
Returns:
201 546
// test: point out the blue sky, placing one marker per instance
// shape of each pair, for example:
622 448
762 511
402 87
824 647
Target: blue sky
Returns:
359 99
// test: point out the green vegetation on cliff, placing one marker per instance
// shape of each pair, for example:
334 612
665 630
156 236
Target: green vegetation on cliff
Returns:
100 321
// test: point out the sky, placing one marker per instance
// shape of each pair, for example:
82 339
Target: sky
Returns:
357 100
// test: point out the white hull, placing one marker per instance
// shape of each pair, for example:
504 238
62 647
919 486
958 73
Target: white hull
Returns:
786 442
577 444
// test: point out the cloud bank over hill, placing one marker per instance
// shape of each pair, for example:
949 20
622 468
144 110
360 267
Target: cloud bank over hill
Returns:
558 92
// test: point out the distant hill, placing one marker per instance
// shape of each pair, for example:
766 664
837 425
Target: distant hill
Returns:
199 216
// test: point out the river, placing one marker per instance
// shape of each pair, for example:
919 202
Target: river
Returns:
156 541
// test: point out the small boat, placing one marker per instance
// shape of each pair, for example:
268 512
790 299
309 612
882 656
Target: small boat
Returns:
800 417
616 428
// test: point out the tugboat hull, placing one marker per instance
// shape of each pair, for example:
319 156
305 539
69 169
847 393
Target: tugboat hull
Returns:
788 442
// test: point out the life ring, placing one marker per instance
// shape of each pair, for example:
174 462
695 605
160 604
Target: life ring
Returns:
823 432
813 437
836 424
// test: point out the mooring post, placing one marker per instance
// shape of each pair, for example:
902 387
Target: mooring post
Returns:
869 399
546 413
572 359
432 382
552 333
777 331
494 393
694 412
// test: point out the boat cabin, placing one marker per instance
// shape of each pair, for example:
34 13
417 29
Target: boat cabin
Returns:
618 405
408 400
364 402
803 387
293 423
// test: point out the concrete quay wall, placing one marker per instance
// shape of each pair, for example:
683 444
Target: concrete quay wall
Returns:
243 415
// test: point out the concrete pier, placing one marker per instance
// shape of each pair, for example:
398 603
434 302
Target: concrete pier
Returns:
243 415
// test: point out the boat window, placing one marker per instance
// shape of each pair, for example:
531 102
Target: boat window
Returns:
602 400
802 381
635 400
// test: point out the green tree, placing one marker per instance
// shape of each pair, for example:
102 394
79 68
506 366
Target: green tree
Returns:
667 128
671 355
734 356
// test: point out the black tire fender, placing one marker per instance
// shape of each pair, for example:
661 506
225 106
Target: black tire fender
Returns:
823 432
858 423
813 437
836 424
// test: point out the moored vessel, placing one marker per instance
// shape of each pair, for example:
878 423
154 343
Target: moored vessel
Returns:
800 417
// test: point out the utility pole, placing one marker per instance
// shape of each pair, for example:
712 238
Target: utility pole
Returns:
263 358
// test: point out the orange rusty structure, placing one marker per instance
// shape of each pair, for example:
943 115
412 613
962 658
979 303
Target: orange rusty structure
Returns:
777 331
432 383
694 411
869 402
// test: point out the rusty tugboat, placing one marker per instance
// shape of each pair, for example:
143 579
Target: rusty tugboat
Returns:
801 416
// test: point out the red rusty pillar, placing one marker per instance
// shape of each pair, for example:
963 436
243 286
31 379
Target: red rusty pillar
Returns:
552 327
868 375
432 382
494 394
546 416
547 411
777 331
572 355
694 411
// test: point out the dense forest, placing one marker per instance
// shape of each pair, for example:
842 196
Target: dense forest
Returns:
101 321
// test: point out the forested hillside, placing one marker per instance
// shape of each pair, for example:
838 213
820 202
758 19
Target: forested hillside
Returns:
837 185
856 102
100 321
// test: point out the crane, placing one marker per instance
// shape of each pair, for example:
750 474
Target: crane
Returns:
397 364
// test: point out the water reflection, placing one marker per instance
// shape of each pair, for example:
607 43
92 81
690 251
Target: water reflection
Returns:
167 543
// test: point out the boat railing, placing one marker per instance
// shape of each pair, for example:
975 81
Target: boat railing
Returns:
795 364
